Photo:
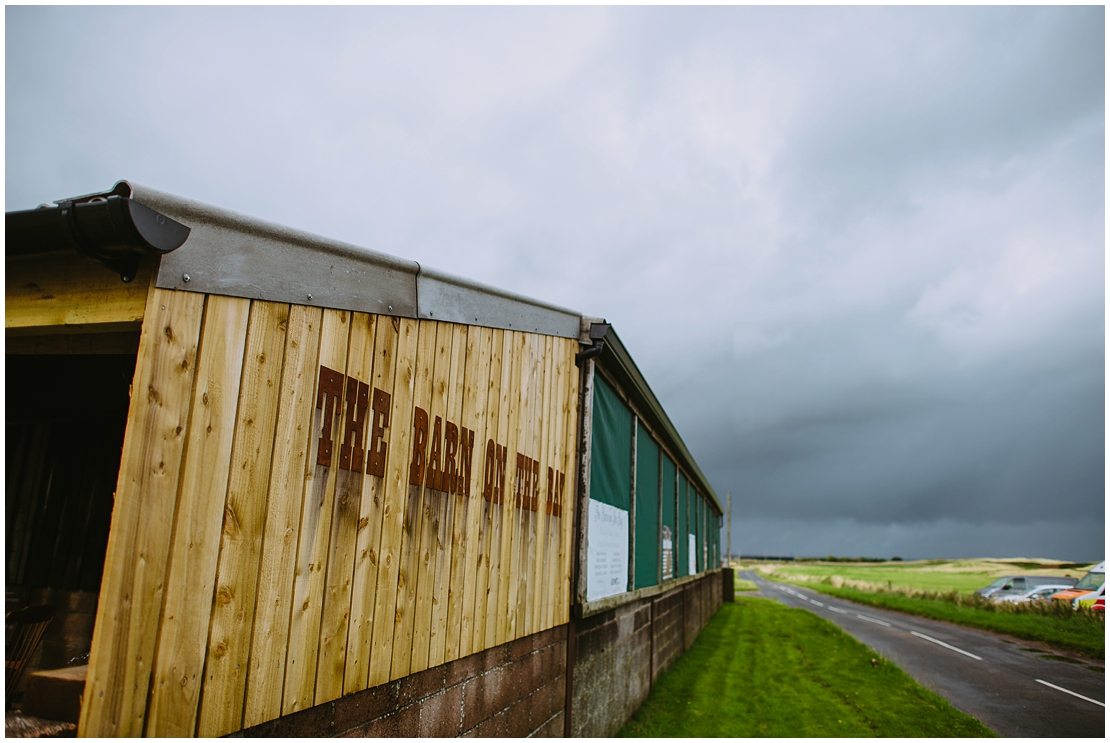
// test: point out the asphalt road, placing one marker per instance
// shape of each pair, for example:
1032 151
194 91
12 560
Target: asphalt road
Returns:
1017 688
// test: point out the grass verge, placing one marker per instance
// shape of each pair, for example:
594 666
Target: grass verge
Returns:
761 669
744 585
1055 624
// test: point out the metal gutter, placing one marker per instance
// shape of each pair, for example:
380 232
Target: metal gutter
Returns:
111 229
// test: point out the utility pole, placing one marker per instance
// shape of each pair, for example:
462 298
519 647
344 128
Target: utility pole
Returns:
729 528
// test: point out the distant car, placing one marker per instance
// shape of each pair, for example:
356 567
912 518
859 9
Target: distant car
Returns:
1100 604
1018 585
1092 581
1040 593
1089 599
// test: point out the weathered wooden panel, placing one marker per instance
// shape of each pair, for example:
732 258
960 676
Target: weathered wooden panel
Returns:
567 502
396 487
320 483
511 400
345 510
380 496
466 558
434 512
412 542
456 458
130 603
179 664
493 487
244 522
292 439
372 511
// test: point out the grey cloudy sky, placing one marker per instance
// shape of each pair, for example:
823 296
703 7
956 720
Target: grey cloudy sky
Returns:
858 253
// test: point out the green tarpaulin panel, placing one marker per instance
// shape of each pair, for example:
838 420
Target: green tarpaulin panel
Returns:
670 534
647 509
681 543
703 539
611 451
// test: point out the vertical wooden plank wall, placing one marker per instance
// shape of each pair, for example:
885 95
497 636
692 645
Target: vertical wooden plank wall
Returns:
260 563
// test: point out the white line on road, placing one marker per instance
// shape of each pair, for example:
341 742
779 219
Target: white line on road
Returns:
945 644
876 621
838 610
818 603
1068 691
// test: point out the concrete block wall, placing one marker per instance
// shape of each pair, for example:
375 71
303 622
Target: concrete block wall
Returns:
619 653
519 689
513 690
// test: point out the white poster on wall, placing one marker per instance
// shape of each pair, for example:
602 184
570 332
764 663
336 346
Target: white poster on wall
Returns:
668 554
692 556
606 551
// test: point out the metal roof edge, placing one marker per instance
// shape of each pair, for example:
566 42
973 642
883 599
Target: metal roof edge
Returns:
172 205
615 358
226 247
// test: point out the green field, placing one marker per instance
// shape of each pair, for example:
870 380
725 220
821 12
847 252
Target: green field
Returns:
964 576
761 669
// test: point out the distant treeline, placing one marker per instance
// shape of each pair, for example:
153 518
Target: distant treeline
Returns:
828 558
833 558
1043 566
769 558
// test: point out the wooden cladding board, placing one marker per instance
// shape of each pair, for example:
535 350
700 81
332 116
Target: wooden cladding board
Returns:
70 292
312 502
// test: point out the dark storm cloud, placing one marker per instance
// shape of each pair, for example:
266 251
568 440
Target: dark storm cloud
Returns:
857 252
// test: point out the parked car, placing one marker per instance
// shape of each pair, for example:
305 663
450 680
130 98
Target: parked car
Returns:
1018 585
1040 593
1090 599
1092 581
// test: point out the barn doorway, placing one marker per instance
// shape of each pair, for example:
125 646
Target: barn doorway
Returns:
67 401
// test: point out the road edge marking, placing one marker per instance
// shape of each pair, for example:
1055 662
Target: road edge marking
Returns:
1069 691
876 621
945 644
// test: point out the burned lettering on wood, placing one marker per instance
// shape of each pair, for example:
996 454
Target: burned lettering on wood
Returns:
327 398
358 400
466 457
434 477
534 501
494 490
450 450
419 443
375 458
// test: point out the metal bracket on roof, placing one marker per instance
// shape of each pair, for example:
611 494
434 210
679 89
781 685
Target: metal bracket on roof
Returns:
125 264
598 331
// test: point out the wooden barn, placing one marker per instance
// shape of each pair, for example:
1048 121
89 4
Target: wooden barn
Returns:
269 483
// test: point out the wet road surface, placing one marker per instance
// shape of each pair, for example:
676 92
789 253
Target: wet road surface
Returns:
1017 688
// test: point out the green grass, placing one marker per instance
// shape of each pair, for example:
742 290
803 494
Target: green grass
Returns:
761 669
744 585
1054 623
943 576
